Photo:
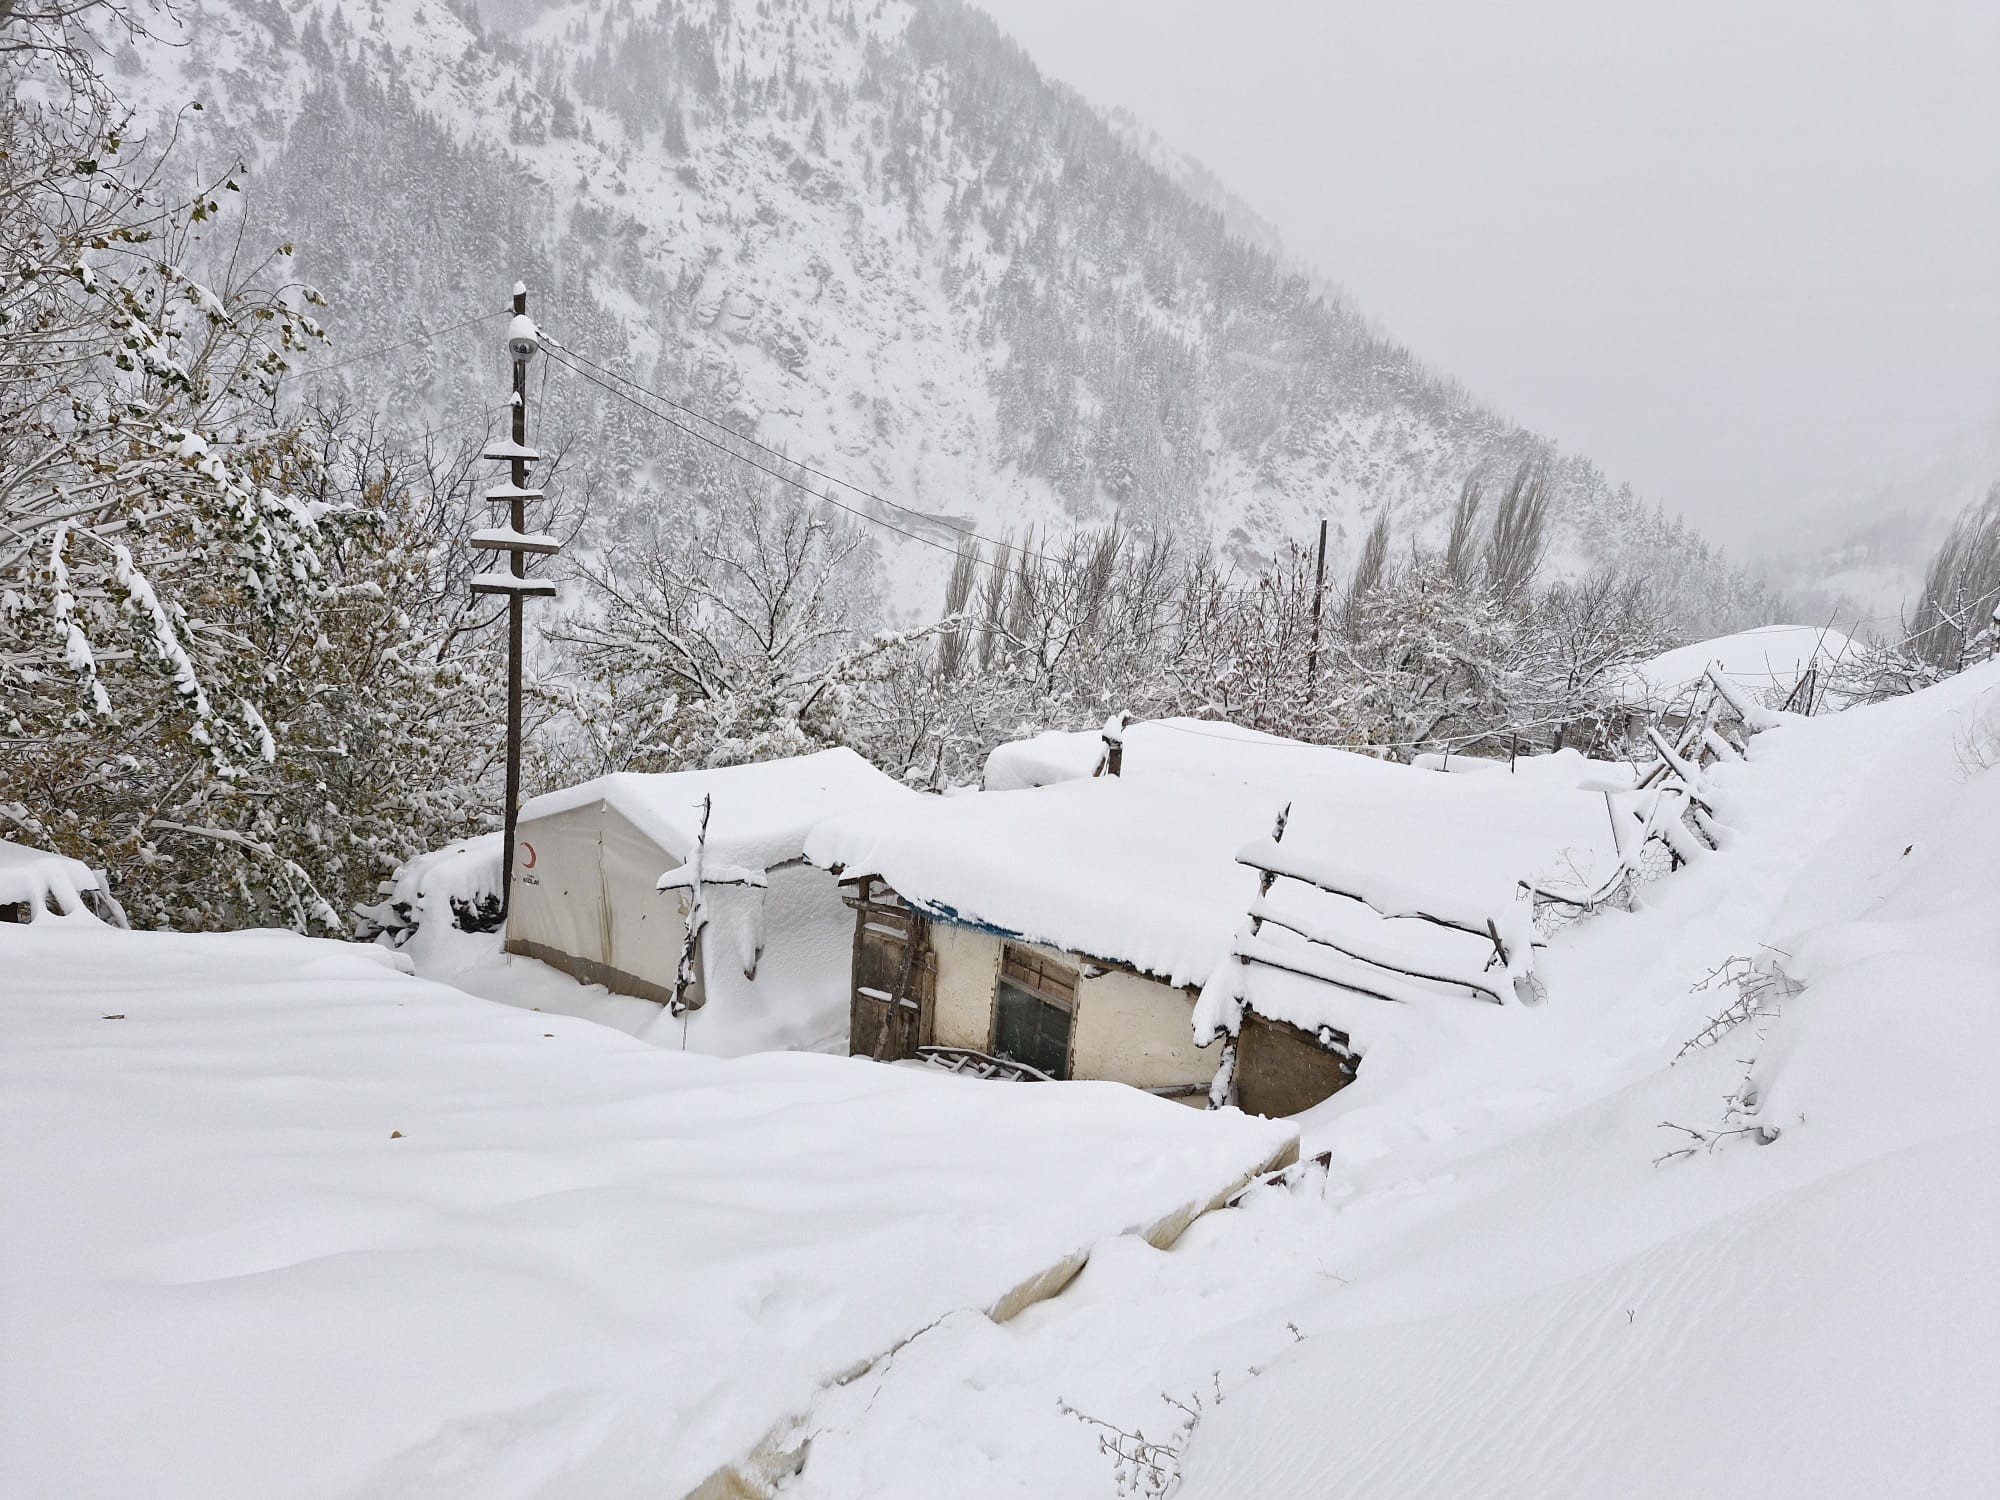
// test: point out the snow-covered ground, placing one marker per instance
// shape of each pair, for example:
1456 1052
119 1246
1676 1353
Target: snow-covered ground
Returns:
1557 1251
1549 1260
1764 664
282 1220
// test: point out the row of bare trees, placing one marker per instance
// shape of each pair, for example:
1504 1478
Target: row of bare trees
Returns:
740 632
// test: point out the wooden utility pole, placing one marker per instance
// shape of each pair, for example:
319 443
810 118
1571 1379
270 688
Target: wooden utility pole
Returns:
1319 593
518 543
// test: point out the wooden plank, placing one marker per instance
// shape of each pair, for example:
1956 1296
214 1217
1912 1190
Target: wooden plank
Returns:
506 539
506 450
1275 860
507 583
1312 961
1410 965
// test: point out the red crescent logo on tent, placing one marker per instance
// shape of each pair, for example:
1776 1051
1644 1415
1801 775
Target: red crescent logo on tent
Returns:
528 849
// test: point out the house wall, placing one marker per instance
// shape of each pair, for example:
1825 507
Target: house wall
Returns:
1281 1070
1137 1031
968 962
1127 1028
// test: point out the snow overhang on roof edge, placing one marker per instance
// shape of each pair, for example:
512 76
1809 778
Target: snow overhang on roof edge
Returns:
951 916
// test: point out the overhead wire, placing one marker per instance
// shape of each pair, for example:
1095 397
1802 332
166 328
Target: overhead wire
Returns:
867 494
409 343
999 545
607 379
607 386
613 382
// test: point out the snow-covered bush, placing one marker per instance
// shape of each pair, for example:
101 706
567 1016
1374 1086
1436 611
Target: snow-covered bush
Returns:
722 632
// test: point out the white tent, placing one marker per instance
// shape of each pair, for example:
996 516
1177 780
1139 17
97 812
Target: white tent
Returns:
588 862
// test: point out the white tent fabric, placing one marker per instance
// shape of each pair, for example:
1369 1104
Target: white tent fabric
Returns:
588 862
761 811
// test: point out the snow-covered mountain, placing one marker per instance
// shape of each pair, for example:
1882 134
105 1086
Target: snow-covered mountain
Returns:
1866 545
869 234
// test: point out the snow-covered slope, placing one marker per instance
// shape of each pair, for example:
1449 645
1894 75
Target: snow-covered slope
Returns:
1566 1253
870 235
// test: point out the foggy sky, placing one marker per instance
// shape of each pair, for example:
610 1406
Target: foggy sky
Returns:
1736 251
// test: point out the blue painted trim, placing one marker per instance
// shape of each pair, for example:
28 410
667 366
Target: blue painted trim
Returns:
951 916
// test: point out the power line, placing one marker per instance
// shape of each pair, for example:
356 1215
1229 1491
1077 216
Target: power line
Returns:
612 381
748 441
783 478
422 338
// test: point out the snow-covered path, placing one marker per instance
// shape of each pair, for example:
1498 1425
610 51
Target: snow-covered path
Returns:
281 1220
1502 1290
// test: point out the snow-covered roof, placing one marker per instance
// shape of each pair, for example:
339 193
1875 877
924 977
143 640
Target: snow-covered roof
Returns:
1143 870
1208 750
1128 871
761 811
41 879
1766 663
1160 747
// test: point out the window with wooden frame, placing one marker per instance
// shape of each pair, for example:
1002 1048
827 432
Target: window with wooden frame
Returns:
1034 1010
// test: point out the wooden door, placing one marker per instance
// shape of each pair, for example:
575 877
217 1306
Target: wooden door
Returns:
894 1007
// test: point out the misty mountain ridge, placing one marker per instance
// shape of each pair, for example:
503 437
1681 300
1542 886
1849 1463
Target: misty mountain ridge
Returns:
1864 546
870 235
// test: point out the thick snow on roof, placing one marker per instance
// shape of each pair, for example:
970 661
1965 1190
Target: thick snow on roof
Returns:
281 1221
761 811
38 877
1142 869
1115 869
1160 747
1211 751
1766 662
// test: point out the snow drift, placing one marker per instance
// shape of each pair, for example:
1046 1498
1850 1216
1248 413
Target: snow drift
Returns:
282 1220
